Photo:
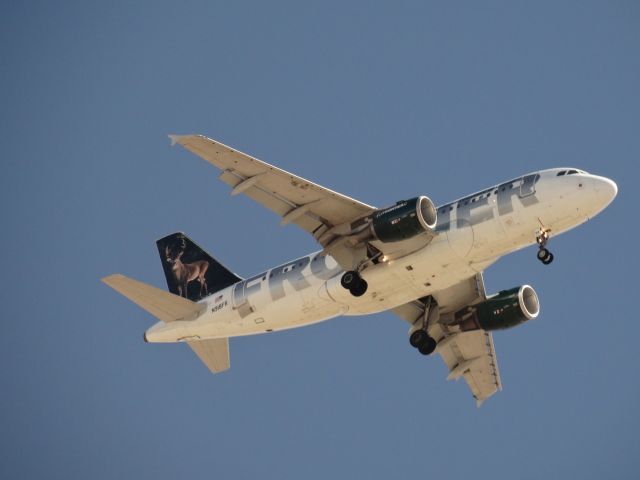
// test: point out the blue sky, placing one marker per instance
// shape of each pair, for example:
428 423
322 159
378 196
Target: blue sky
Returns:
379 101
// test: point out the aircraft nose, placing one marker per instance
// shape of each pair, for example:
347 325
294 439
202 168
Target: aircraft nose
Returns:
605 188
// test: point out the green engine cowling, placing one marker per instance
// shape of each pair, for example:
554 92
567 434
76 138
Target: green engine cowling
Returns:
503 310
404 220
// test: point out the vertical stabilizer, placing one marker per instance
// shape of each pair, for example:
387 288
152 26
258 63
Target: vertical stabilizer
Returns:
190 271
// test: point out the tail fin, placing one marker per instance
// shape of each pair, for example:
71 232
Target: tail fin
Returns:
190 271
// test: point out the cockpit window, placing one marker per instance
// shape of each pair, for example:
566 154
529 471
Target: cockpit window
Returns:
561 173
572 172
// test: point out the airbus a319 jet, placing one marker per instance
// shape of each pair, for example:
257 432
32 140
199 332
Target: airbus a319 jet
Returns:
423 263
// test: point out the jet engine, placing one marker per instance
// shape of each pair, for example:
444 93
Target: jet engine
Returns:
503 310
404 220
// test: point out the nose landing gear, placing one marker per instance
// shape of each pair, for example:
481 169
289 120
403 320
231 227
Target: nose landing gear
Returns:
542 237
545 256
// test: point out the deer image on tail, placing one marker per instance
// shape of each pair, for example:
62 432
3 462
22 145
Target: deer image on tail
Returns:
186 272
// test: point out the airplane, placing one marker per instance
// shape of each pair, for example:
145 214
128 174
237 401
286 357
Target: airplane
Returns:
422 262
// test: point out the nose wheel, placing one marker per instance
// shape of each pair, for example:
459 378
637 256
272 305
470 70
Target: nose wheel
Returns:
542 237
353 282
545 256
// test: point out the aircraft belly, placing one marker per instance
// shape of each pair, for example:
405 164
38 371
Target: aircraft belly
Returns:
433 268
296 309
388 285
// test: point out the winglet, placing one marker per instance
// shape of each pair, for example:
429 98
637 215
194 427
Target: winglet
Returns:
175 139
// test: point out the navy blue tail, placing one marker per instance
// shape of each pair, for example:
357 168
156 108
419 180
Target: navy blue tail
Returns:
190 271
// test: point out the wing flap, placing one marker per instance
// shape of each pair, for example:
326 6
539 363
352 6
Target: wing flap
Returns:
471 355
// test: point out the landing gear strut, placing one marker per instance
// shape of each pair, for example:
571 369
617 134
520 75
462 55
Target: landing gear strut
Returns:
420 338
353 282
542 237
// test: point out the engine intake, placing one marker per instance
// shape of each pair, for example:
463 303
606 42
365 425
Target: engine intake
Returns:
404 220
501 311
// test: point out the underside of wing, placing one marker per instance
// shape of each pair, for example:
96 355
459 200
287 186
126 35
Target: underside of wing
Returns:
297 200
469 355
353 232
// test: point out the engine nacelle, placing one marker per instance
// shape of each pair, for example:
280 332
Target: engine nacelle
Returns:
501 311
404 220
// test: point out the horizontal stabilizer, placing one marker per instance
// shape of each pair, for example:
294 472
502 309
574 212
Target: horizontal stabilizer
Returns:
214 353
161 304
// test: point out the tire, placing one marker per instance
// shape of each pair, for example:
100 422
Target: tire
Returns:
349 279
543 254
359 288
548 260
417 338
428 347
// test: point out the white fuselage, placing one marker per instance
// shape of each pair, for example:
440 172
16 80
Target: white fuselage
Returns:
473 233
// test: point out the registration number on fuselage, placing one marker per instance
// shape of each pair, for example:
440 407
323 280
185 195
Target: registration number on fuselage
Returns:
219 306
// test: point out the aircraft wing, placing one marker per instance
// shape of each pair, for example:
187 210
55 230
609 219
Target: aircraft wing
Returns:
469 355
310 206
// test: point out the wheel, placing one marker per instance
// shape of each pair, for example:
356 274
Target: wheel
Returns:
543 254
359 288
349 279
548 260
428 347
417 338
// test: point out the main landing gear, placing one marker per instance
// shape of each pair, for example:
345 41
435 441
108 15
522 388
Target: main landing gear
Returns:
420 339
353 282
542 237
